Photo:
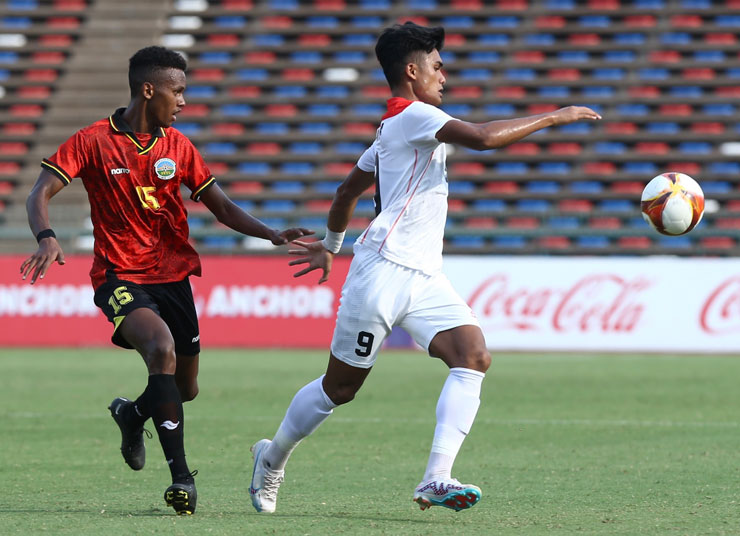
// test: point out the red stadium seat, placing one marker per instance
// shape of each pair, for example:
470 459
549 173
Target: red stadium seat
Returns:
643 92
377 92
564 74
717 242
26 110
263 148
510 92
9 168
338 168
554 242
608 222
55 40
260 57
569 148
543 108
467 168
63 22
690 168
730 92
675 109
603 5
599 168
41 75
13 148
49 57
281 110
223 40
321 206
227 129
501 187
329 5
550 21
276 21
480 222
6 187
529 56
511 5
665 56
456 205
297 74
589 39
245 92
195 110
627 187
727 223
699 73
359 128
720 38
634 242
707 128
210 75
237 5
639 21
218 168
454 40
246 187
19 129
522 222
314 40
575 205
624 127
686 21
70 5
467 92
523 148
467 5
652 147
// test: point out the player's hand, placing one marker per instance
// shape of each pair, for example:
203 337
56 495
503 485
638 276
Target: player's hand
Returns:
315 255
289 235
49 252
571 114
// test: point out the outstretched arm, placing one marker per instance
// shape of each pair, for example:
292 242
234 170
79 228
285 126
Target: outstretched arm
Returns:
495 134
229 213
343 206
37 207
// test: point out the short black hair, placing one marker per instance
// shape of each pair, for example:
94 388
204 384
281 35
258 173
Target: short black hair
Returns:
143 66
398 43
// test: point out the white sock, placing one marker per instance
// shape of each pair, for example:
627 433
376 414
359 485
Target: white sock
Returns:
456 409
309 408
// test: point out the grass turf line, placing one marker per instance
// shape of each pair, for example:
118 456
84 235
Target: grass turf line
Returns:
563 444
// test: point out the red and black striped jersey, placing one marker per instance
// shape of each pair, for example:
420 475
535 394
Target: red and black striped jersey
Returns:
133 184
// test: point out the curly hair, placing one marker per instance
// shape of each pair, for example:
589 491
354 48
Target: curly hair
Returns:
147 62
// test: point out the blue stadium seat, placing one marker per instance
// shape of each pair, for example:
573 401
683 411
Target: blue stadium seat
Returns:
502 22
448 56
494 40
283 4
543 39
576 128
365 21
709 55
359 40
4 74
457 21
645 169
236 109
268 40
467 241
683 242
290 92
554 92
16 23
686 92
22 5
8 57
374 110
230 21
457 110
323 109
592 242
653 73
315 128
608 73
566 5
573 56
616 205
533 205
275 223
586 187
306 56
350 56
633 109
477 74
326 186
294 187
189 129
696 4
488 205
375 5
520 74
274 129
722 168
297 168
554 168
511 168
609 147
733 72
421 4
245 204
718 109
350 147
716 187
332 92
254 168
598 92
675 38
322 21
543 187
201 92
219 241
656 5
695 147
222 147
510 242
630 38
305 147
252 74
364 205
484 56
217 57
500 109
662 128
563 222
619 56
461 187
731 21
598 21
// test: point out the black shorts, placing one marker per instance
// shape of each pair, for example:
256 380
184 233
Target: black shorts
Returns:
173 302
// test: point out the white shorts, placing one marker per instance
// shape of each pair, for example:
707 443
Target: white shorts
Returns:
379 294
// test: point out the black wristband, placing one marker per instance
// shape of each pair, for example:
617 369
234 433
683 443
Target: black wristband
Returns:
46 233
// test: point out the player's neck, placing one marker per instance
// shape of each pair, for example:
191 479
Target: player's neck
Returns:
137 119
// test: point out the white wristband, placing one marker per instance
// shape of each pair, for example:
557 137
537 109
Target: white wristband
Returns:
333 241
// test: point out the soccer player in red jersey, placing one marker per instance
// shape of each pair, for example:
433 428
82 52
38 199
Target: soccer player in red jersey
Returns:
132 165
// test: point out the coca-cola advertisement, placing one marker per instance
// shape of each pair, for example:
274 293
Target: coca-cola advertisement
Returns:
653 304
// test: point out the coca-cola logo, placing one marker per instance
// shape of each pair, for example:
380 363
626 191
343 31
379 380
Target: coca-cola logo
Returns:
596 303
720 313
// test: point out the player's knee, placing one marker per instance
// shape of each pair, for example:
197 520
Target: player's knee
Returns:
160 357
478 360
341 394
188 392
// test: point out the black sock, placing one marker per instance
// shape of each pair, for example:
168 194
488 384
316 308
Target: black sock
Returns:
162 401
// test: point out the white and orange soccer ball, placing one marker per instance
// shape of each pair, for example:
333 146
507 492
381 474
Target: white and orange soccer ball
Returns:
672 203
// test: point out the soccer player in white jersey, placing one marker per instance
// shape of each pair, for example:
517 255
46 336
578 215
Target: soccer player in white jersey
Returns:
395 278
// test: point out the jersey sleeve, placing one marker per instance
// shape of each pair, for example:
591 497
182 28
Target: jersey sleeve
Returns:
422 122
69 160
367 160
198 177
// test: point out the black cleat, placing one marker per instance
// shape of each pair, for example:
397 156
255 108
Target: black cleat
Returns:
182 496
132 436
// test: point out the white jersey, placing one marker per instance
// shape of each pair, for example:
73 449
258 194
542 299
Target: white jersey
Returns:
411 186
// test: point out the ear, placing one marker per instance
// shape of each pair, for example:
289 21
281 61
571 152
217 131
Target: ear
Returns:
147 90
411 70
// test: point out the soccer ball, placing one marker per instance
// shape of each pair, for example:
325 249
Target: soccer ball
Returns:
672 203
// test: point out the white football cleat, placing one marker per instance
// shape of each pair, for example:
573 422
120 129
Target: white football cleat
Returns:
448 493
265 482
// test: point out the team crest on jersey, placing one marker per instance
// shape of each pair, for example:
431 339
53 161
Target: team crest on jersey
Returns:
165 168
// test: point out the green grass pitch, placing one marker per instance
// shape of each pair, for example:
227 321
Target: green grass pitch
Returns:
563 444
